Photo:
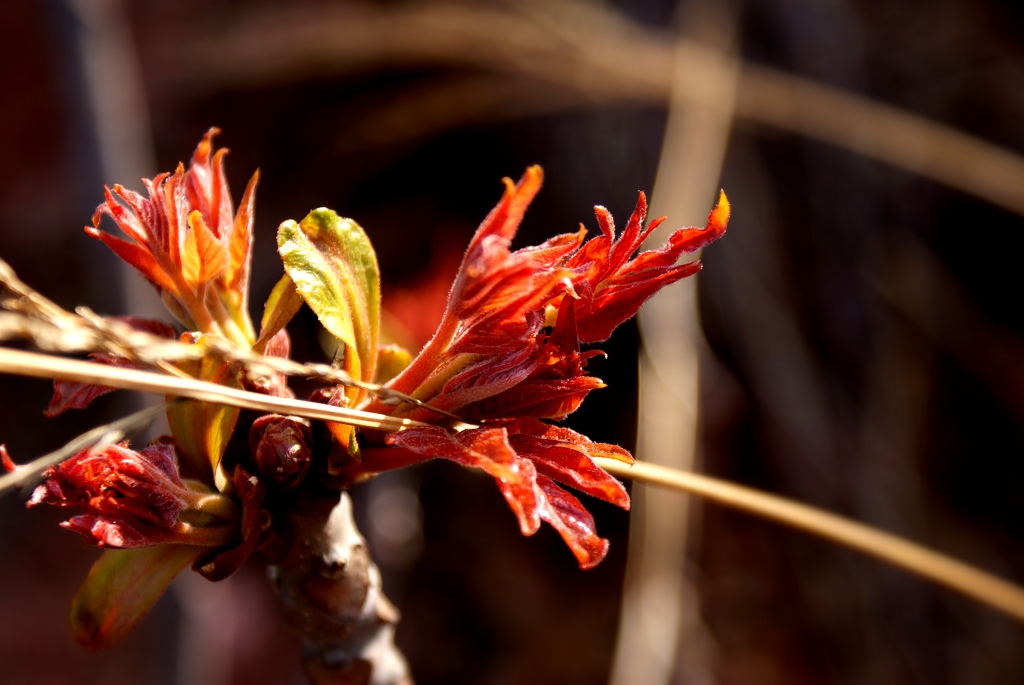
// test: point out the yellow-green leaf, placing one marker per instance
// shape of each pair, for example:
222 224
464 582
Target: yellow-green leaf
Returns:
122 586
391 361
334 268
202 429
284 302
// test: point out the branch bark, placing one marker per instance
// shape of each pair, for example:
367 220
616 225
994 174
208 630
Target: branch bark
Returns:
331 593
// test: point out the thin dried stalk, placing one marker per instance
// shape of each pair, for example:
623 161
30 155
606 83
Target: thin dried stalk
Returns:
106 434
968 580
934 566
38 365
31 316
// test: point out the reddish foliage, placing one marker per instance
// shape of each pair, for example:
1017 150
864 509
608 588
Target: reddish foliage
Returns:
129 499
185 237
508 352
74 395
524 457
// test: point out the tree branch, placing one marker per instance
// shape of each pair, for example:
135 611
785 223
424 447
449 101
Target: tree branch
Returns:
331 593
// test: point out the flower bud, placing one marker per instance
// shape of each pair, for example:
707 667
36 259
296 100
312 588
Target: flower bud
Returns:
280 446
135 499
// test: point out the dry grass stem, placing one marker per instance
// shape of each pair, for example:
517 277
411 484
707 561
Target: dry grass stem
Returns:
49 366
968 580
655 643
31 316
108 433
972 582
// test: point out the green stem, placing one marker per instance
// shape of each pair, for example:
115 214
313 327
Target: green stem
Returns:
229 328
216 505
207 536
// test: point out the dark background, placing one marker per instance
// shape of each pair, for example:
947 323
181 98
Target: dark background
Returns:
865 327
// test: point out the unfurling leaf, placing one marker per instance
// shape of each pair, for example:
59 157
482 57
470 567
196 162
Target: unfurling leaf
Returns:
202 429
510 350
203 257
284 302
122 586
334 268
391 361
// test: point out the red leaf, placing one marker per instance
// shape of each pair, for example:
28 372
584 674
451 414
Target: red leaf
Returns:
133 225
565 455
613 291
542 399
206 186
184 237
203 258
128 499
574 523
5 460
507 352
240 243
138 257
486 449
524 457
74 395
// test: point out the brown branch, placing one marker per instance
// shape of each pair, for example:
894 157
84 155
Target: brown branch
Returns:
331 593
328 585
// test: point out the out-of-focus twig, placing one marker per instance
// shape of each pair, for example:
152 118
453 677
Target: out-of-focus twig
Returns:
916 283
584 49
968 580
113 96
416 112
113 87
656 638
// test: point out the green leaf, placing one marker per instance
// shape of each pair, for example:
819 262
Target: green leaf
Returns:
334 268
122 586
284 302
391 361
202 429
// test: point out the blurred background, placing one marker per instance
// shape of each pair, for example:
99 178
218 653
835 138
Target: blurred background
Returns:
855 342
